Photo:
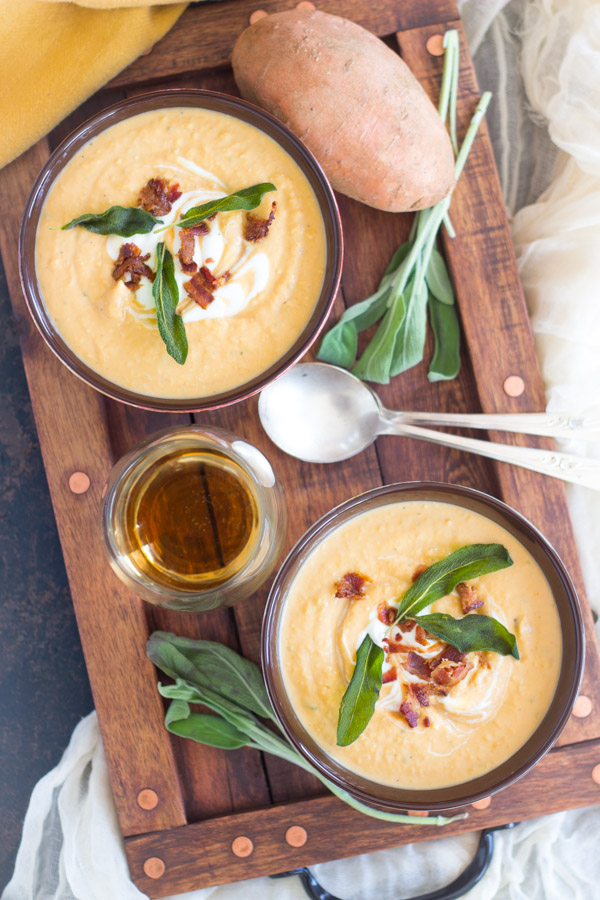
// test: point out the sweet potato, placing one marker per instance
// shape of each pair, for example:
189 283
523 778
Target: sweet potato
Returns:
353 102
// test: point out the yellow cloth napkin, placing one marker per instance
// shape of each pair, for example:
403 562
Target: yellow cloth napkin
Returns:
53 55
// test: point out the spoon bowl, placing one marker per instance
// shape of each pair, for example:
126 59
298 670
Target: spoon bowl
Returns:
319 413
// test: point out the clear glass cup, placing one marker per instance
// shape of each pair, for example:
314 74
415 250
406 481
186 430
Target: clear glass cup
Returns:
194 518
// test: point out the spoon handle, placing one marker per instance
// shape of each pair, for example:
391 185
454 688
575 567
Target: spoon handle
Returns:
558 425
566 466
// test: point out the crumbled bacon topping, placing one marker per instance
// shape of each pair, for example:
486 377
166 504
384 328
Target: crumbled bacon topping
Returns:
426 721
351 585
255 228
418 571
410 713
186 252
158 196
417 665
385 613
468 597
420 635
393 645
450 667
203 284
130 262
421 693
388 676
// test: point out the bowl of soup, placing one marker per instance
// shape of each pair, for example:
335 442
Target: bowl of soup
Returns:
180 250
449 726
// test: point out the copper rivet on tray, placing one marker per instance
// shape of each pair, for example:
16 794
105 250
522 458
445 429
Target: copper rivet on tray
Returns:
582 707
596 773
296 836
154 867
514 385
147 799
435 44
482 804
79 482
242 846
257 14
305 4
417 812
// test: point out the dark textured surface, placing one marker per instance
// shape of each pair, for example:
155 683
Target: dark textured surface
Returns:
44 688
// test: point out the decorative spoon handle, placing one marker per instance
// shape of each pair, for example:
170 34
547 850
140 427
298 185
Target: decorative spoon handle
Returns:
566 466
546 424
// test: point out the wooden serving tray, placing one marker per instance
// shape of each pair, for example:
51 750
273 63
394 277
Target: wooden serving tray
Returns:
180 805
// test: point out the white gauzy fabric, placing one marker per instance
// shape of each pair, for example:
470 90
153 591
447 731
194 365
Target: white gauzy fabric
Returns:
542 60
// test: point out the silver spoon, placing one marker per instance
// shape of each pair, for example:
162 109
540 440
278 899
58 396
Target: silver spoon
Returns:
319 413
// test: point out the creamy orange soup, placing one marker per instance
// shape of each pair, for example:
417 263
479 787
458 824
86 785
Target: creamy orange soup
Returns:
274 283
485 717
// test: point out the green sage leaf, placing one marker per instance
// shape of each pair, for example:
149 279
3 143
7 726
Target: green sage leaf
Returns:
472 632
206 728
121 220
376 361
358 702
178 709
247 198
211 665
166 298
445 362
470 561
438 280
411 335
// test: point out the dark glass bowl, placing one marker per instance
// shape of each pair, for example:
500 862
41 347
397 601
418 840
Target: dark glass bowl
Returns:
233 106
384 797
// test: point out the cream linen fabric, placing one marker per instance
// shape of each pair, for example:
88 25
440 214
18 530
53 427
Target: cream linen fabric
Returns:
53 56
549 142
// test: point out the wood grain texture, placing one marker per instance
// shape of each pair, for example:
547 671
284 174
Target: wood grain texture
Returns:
204 35
73 433
498 334
200 855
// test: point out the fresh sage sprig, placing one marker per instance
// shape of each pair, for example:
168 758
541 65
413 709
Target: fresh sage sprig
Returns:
208 673
469 633
121 220
166 298
416 279
247 198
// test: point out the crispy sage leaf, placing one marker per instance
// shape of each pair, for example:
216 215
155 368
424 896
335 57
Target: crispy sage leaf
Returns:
358 703
247 198
121 220
438 280
474 632
445 362
467 562
166 297
211 665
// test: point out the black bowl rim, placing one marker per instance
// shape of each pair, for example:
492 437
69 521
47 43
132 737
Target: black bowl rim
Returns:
466 793
220 102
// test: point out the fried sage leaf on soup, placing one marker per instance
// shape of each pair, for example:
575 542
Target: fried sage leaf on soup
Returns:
358 703
247 198
166 297
470 633
121 220
470 561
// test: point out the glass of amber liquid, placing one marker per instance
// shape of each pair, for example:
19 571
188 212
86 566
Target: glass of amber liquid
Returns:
194 518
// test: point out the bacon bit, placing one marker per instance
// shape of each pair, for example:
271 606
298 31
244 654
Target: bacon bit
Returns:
385 613
351 585
420 693
420 635
418 571
157 196
426 722
405 626
468 597
450 667
209 259
186 253
196 289
416 665
132 263
394 646
255 228
224 278
388 676
200 229
410 714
